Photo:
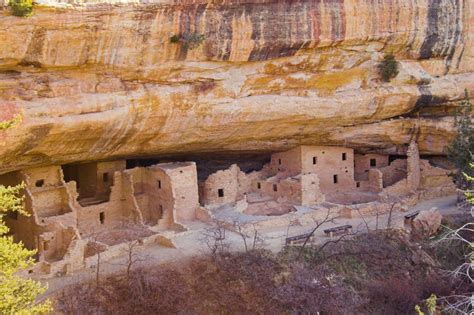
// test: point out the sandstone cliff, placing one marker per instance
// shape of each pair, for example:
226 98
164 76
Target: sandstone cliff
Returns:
98 81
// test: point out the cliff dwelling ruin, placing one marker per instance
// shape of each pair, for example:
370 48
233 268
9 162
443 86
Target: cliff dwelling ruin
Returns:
80 210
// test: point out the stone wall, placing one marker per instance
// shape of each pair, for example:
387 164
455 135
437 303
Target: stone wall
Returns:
413 166
119 210
59 221
364 162
375 180
334 167
221 187
184 189
395 172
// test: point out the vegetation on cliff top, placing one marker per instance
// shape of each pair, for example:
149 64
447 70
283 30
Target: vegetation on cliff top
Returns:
21 8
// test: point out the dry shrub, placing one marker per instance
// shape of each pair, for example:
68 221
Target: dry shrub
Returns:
254 282
400 294
376 273
393 296
146 292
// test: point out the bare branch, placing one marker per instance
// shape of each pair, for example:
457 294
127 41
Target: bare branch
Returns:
326 219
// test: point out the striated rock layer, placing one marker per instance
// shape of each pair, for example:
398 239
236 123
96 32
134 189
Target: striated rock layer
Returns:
102 81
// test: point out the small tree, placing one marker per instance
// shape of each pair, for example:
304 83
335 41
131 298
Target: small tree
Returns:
461 148
17 295
10 123
21 8
388 68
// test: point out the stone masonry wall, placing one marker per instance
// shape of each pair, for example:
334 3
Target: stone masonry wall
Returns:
364 162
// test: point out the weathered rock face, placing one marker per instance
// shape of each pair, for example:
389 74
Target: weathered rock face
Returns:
104 81
427 223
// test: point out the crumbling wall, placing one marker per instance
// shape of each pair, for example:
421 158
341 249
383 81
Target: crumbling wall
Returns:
85 176
413 166
411 181
43 177
49 196
51 202
395 172
51 226
375 180
105 175
398 189
54 240
166 193
369 209
432 176
94 180
221 187
22 228
149 190
59 223
120 209
144 191
364 162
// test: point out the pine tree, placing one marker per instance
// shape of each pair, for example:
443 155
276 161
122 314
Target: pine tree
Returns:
17 295
461 149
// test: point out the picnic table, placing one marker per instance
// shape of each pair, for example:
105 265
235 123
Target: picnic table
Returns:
338 230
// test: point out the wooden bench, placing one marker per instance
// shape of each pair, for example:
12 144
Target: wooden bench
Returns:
409 217
297 239
342 229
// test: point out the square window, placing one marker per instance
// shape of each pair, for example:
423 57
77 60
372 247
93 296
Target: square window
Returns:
275 187
259 186
315 160
279 161
334 179
39 183
373 162
358 184
344 156
102 217
220 192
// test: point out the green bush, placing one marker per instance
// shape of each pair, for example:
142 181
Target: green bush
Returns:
188 40
174 39
22 8
388 68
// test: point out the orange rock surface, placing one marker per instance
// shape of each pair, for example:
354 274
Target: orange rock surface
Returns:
97 81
